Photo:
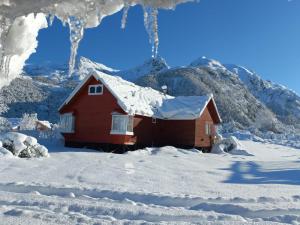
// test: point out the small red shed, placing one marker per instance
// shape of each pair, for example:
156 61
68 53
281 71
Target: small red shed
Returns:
107 111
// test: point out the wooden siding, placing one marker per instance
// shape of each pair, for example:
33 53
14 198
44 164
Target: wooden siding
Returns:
93 117
176 132
201 138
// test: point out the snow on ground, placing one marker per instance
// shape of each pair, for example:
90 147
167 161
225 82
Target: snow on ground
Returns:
165 185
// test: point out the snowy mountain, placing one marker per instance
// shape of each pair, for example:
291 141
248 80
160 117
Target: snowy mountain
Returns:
245 100
284 102
151 66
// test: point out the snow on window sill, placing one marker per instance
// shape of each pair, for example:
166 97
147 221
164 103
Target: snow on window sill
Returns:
121 133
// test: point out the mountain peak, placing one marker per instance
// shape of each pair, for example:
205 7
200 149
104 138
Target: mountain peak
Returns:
157 63
206 62
150 66
85 63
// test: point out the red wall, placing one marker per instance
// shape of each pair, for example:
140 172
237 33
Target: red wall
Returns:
176 132
201 139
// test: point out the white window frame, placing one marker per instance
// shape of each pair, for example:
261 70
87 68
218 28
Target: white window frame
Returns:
208 128
128 123
67 123
95 86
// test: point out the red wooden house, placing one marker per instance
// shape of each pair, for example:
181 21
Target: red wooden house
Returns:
107 111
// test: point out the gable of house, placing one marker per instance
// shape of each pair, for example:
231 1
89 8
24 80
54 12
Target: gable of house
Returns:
93 114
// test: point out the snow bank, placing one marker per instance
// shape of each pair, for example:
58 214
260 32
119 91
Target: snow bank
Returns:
22 145
230 145
165 151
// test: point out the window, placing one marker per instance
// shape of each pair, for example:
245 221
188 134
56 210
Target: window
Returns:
96 89
122 124
67 123
208 129
153 120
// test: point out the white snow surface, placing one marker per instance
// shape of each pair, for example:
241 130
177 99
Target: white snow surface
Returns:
145 101
152 186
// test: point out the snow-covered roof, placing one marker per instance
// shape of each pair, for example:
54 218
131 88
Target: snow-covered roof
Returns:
145 101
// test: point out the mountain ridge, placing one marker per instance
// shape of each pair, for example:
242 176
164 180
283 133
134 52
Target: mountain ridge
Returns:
227 81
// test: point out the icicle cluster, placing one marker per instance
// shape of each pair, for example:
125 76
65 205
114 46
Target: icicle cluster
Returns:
79 15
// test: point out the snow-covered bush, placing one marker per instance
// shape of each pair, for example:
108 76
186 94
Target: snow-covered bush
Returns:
28 121
4 125
23 146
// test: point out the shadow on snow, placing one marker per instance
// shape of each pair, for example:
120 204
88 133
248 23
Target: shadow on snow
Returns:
253 173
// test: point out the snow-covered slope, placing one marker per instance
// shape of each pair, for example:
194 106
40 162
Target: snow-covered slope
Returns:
151 66
36 94
281 100
152 186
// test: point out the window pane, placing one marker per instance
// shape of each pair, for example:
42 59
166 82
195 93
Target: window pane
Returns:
118 124
122 123
206 129
99 89
67 123
92 90
130 124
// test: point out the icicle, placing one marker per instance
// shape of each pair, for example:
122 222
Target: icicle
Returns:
51 19
4 60
155 33
151 25
76 34
125 14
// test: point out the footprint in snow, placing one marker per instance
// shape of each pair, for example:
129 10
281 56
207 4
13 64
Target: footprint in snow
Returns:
129 168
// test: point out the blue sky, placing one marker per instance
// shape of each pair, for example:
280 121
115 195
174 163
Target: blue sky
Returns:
263 35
